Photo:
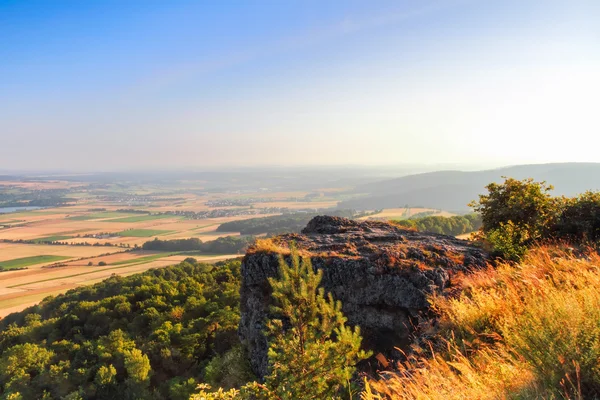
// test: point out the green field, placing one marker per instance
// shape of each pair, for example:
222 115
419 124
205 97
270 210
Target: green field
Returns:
56 238
143 260
141 218
101 215
26 261
143 232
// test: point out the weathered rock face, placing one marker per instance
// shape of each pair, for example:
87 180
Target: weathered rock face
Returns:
382 274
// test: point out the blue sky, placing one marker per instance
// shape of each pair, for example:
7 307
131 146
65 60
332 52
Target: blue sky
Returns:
141 83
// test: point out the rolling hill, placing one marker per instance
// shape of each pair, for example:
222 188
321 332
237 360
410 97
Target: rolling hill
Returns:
453 190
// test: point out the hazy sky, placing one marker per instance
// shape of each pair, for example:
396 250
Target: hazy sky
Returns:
113 84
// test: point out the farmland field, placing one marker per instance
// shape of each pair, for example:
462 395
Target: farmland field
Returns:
107 222
144 232
55 238
27 261
141 218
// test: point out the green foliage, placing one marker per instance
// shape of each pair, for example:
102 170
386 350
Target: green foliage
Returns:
106 375
515 214
312 353
147 336
22 366
222 245
580 218
205 393
526 203
230 370
453 226
181 388
509 241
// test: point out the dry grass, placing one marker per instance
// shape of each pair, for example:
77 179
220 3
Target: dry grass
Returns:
276 246
268 245
518 331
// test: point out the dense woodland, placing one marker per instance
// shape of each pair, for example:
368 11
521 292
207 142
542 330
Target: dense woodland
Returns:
148 336
456 225
222 245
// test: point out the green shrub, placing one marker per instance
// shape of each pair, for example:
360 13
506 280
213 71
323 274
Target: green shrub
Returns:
527 204
230 370
509 241
580 219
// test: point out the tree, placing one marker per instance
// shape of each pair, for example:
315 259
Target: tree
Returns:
312 353
517 213
526 203
21 364
580 219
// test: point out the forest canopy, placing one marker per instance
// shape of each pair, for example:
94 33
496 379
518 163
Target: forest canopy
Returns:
222 245
456 225
149 336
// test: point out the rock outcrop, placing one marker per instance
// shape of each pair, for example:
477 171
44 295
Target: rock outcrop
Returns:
381 273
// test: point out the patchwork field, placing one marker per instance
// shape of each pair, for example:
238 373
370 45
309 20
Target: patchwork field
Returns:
145 233
91 238
100 230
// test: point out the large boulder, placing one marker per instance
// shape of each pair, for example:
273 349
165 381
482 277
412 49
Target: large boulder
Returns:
382 274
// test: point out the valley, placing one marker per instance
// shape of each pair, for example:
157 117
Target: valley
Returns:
94 227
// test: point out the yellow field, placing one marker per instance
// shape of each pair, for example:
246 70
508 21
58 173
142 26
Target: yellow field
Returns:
401 213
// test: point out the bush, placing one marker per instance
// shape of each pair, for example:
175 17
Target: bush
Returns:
509 241
102 264
526 203
230 370
516 214
580 219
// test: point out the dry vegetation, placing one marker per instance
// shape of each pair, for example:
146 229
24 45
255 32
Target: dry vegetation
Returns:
268 245
518 331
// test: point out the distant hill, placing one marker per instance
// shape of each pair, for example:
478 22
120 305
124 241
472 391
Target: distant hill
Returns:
453 190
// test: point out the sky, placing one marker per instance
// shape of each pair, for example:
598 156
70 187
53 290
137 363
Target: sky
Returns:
134 84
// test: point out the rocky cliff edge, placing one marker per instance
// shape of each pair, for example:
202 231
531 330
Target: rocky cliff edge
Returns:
382 274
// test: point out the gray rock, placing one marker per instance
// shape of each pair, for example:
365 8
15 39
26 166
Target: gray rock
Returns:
382 274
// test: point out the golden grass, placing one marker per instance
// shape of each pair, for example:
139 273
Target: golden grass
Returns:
268 245
518 331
